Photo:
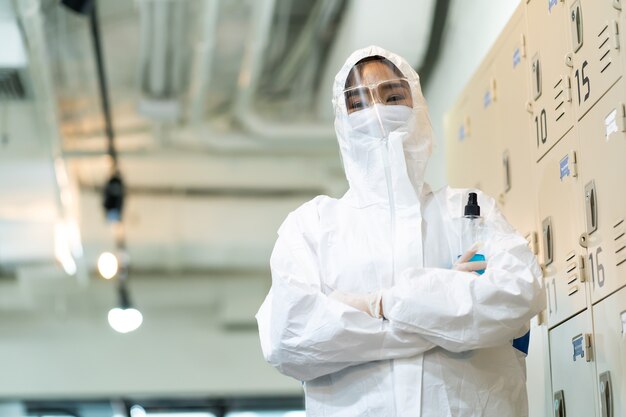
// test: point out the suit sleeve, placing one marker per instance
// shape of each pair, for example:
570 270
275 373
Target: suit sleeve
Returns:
304 333
462 311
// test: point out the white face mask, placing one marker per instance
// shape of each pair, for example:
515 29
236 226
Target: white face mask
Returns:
380 120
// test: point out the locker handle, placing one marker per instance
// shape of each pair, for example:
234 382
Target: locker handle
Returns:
576 20
591 207
606 394
536 77
507 171
559 404
547 241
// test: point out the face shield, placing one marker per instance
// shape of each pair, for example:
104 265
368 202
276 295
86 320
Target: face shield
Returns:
377 98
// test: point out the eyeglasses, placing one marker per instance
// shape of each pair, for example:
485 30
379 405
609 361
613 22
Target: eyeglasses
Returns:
389 92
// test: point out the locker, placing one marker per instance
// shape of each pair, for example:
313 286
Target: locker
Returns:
459 150
514 139
472 148
573 368
609 317
602 153
484 115
538 371
550 93
560 225
594 56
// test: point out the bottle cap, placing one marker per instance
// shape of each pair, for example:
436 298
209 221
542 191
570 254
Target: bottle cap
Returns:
472 209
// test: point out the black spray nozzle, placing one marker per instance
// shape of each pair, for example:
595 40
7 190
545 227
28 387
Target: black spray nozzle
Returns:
472 209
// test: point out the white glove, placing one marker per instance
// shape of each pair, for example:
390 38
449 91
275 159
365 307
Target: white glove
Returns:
368 303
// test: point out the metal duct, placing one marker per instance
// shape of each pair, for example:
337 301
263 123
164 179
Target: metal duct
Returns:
164 56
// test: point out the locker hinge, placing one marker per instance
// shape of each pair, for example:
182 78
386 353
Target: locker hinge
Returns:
615 33
568 89
582 273
621 117
588 347
569 60
533 242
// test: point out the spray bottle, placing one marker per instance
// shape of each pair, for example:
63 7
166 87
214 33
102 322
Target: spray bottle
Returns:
472 236
472 229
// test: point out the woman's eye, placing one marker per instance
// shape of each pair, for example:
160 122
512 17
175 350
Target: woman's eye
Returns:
356 105
394 98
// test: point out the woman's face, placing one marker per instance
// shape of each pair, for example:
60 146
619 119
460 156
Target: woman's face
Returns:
376 82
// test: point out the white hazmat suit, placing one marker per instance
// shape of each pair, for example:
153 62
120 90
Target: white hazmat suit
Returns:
443 347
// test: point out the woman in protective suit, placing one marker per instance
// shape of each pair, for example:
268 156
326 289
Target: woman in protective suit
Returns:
369 305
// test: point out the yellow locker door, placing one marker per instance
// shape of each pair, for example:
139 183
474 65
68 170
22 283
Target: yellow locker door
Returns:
560 224
603 154
594 44
484 118
470 137
550 101
573 368
457 125
514 140
609 318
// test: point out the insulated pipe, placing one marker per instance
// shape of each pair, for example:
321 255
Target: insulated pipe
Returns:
248 83
203 61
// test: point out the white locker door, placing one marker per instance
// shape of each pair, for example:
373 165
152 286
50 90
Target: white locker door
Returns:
573 369
593 32
560 225
603 157
514 139
609 317
538 371
550 93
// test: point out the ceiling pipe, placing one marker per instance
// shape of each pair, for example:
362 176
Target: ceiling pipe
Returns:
440 16
248 83
203 61
68 245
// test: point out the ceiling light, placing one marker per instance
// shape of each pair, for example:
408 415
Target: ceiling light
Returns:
108 265
125 320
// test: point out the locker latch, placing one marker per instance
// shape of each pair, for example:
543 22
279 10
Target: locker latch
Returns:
576 22
546 227
559 404
606 394
591 207
506 166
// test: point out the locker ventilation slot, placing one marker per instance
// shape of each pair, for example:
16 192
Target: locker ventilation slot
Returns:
605 48
559 98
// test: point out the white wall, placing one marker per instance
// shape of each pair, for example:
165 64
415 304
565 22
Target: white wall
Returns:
471 29
198 338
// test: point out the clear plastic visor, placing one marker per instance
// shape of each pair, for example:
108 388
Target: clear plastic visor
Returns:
392 92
